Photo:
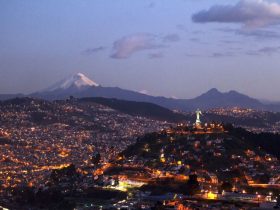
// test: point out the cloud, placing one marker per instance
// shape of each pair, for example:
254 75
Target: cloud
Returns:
192 55
260 34
231 42
144 92
265 51
257 33
155 55
128 45
90 51
151 5
171 38
219 55
250 13
252 53
195 39
181 27
269 50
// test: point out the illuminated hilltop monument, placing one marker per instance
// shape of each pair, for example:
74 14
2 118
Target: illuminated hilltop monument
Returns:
212 127
197 127
198 122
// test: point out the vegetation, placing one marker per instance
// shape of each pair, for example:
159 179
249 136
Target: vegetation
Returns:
168 185
268 142
47 199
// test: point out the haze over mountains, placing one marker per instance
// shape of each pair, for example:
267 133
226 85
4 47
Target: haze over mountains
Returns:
81 86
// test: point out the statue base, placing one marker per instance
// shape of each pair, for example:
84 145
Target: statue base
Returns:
198 125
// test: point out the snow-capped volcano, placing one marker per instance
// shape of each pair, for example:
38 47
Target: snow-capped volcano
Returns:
78 81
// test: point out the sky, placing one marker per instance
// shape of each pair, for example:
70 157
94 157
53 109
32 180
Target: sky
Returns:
172 48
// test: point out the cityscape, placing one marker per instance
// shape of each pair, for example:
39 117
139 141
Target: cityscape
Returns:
76 149
130 105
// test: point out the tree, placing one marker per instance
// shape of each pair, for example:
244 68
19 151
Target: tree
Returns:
193 185
226 186
264 179
66 173
96 157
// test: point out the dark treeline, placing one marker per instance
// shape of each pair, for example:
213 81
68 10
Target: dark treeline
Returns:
268 142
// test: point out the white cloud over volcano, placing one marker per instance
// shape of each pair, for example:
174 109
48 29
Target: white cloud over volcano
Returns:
128 45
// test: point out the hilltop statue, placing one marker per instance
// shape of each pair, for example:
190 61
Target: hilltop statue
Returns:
198 113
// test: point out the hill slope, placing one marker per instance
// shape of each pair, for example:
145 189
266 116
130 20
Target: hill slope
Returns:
233 156
143 109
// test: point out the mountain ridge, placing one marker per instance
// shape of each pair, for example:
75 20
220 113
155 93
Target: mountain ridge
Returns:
81 86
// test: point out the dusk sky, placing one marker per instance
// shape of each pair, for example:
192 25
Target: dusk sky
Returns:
173 48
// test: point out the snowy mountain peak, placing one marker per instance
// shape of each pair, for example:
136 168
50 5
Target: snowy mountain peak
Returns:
78 80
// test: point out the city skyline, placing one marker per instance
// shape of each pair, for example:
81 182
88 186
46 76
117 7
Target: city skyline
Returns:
174 49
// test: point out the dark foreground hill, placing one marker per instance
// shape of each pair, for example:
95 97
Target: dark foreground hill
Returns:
236 156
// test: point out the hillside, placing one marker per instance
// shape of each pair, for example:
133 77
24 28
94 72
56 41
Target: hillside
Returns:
142 109
231 157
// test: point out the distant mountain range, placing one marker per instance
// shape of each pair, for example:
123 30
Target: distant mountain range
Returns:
80 86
